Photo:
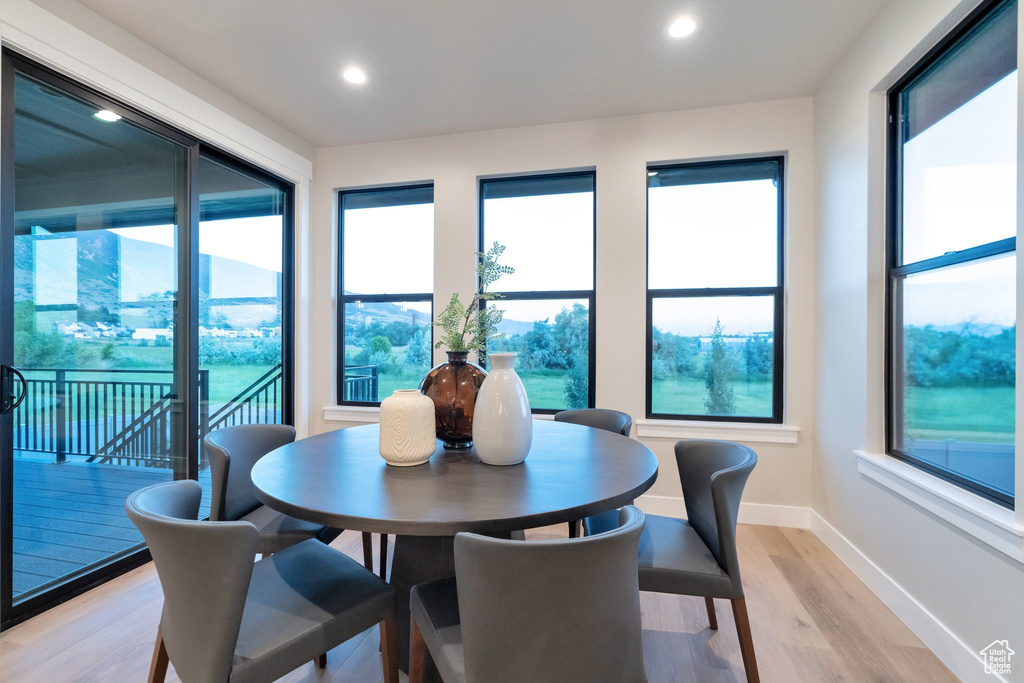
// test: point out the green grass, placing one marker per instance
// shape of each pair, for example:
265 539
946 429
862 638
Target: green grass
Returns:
686 396
544 389
980 414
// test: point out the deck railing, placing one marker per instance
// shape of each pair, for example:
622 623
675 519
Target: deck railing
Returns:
123 417
360 383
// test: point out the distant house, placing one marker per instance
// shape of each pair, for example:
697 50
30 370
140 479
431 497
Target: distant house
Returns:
153 333
86 331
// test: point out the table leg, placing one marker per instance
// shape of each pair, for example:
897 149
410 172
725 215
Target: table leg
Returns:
418 559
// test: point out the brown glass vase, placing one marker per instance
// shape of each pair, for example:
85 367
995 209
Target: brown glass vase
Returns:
453 387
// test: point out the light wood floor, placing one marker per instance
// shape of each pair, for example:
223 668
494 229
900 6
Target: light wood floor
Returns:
812 620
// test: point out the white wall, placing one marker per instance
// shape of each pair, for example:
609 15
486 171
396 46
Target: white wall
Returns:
972 592
619 149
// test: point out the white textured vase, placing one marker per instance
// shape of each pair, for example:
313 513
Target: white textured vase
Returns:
407 428
502 423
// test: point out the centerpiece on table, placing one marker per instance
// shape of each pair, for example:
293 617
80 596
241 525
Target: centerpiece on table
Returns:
453 386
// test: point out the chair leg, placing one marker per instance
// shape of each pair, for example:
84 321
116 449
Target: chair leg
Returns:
158 667
712 617
389 649
417 653
739 612
368 550
321 661
574 528
383 557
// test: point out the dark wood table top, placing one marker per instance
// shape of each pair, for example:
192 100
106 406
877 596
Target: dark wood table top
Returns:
339 479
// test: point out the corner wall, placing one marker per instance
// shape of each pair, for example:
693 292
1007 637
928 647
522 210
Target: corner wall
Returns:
957 593
619 149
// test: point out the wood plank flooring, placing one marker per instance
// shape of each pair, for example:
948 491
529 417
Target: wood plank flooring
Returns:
812 620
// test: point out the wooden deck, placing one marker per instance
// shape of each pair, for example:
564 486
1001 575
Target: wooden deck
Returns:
70 516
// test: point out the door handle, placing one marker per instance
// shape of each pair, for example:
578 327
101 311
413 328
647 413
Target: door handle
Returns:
7 399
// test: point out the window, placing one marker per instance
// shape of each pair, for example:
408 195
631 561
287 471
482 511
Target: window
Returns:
714 290
547 226
951 289
385 303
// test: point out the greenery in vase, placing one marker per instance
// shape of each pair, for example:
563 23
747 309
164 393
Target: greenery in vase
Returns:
468 327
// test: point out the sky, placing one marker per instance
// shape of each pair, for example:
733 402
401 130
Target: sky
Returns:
960 191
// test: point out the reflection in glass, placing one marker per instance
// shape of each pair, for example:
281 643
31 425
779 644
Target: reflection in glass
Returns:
387 347
552 338
95 293
547 227
712 356
241 299
959 363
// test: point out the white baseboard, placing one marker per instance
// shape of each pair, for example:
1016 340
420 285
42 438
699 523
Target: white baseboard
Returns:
954 653
750 513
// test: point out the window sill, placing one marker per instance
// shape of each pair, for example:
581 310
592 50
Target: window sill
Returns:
988 522
732 431
357 414
371 414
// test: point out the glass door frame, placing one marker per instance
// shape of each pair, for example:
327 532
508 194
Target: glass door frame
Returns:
185 353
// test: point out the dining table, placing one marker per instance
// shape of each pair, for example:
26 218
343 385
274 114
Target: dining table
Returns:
339 479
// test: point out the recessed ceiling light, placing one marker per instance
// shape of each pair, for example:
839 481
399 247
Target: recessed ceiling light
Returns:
682 27
355 75
652 173
106 115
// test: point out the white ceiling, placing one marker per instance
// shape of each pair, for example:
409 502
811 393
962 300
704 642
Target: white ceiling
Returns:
447 66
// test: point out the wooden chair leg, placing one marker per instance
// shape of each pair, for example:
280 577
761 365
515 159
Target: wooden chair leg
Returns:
574 529
389 649
383 557
739 612
158 667
368 550
417 653
321 661
712 617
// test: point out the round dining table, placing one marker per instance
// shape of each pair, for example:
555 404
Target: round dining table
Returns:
339 479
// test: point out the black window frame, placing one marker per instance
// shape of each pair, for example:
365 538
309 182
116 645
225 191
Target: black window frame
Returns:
12 63
777 292
541 295
896 270
344 298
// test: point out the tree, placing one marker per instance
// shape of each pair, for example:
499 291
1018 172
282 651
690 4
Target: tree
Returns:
718 370
577 393
417 353
758 354
380 343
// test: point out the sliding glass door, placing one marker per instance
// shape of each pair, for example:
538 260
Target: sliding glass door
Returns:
144 300
244 299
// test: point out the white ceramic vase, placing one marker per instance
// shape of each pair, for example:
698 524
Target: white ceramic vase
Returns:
407 428
502 423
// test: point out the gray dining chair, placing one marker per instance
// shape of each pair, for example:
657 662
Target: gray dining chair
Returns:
226 618
539 611
599 418
232 452
697 555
